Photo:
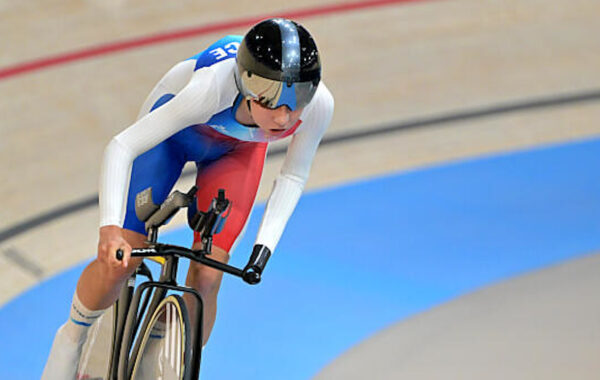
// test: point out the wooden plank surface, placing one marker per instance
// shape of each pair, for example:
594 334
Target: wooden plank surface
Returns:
386 65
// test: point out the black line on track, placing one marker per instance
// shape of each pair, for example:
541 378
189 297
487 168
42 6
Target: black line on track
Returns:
526 105
20 260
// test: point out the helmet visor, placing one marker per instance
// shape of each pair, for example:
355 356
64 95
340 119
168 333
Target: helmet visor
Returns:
273 94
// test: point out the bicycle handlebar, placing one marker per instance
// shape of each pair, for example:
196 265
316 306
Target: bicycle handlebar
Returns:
250 274
206 224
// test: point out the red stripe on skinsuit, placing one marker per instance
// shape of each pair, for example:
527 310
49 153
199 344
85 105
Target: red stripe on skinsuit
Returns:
239 173
291 130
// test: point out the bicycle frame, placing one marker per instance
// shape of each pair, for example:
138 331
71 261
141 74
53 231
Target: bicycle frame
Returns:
129 314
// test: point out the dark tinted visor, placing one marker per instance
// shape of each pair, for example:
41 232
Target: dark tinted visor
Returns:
273 94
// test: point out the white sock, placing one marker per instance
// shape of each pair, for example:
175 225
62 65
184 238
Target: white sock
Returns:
80 320
64 355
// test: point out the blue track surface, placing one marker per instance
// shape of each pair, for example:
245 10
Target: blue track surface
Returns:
358 258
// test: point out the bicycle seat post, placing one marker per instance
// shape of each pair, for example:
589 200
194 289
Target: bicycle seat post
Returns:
152 235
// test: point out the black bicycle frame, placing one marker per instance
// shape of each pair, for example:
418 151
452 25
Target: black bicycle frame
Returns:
129 319
127 325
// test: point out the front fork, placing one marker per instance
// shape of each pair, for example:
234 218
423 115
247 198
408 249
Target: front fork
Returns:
120 314
122 357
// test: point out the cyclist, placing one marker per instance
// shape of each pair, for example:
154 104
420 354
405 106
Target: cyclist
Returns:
219 109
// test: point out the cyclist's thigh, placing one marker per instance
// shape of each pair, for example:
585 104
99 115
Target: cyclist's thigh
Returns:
239 173
158 168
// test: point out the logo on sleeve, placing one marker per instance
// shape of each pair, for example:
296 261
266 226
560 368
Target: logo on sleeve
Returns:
225 51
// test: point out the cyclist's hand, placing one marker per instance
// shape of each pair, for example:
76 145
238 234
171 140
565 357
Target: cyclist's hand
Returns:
253 270
111 239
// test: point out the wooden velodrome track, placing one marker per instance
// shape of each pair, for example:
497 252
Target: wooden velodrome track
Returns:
430 81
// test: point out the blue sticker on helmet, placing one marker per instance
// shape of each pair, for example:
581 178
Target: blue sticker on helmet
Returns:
288 96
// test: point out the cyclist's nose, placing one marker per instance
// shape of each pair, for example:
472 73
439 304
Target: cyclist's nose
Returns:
282 116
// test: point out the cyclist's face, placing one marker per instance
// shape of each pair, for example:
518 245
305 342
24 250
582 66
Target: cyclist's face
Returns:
273 121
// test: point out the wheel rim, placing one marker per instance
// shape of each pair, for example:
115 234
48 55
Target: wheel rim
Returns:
165 343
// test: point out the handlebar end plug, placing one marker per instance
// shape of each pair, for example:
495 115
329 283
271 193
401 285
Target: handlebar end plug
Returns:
251 276
256 264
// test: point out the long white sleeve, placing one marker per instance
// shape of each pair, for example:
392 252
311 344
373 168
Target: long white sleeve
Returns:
172 82
296 168
194 104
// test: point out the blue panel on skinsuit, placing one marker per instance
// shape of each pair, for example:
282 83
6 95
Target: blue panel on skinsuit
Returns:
358 258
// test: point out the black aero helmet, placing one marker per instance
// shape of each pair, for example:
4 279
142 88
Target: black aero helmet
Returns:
278 64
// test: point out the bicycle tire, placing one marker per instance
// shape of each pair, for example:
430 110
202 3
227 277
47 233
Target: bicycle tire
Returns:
165 349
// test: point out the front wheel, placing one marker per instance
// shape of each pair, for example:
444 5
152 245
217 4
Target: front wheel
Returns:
165 349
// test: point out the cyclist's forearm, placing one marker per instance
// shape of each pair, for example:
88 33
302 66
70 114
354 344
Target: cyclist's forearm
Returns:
282 202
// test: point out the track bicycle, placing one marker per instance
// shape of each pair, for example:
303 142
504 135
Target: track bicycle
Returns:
150 327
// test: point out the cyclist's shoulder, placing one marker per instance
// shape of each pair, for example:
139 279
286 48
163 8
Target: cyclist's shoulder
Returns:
221 50
321 102
216 53
317 114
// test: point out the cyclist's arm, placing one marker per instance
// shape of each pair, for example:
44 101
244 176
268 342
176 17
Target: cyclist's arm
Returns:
194 104
294 173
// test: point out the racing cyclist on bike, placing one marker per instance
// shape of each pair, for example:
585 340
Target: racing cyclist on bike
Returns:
219 109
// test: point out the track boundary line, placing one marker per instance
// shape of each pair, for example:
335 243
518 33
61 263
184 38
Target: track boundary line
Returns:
179 34
469 114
